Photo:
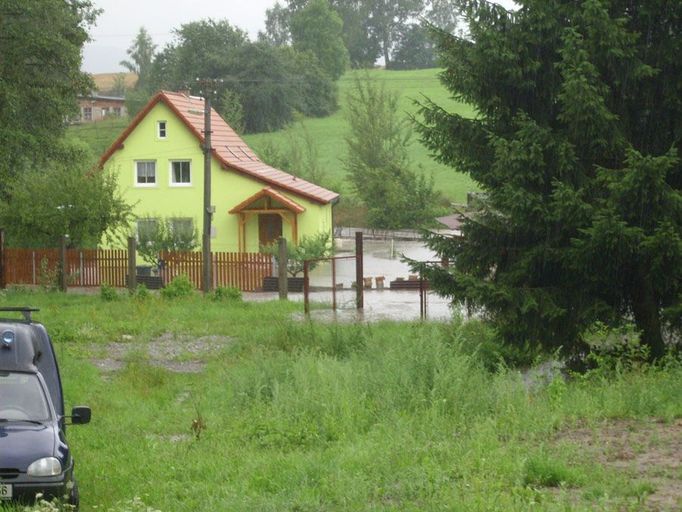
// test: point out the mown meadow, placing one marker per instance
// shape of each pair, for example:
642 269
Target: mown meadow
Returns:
288 414
329 133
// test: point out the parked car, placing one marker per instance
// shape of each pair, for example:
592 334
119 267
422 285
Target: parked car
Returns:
35 457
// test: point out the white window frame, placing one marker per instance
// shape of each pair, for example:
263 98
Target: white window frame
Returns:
135 175
162 130
87 113
171 178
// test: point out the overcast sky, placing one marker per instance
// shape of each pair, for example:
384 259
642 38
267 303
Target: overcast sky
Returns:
119 23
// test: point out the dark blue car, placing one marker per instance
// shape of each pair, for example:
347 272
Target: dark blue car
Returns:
34 455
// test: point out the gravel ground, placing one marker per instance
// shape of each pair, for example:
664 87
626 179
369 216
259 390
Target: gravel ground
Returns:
176 353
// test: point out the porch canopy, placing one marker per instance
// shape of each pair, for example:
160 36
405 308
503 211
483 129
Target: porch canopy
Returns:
267 202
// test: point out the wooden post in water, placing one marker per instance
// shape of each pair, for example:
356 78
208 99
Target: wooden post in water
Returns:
63 263
3 277
359 297
282 268
422 297
306 289
132 260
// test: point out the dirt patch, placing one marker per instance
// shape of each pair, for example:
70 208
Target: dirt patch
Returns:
648 451
175 353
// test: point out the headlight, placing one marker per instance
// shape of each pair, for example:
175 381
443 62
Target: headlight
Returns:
7 338
49 466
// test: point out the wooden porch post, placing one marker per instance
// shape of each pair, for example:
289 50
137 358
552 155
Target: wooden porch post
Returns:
242 232
282 269
294 229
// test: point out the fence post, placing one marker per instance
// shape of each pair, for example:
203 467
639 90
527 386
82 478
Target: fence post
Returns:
3 278
306 289
132 260
282 268
359 298
63 263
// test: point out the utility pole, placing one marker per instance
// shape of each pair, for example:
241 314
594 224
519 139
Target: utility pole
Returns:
207 275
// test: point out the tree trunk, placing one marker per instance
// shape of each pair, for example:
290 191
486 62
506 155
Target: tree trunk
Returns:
386 47
647 317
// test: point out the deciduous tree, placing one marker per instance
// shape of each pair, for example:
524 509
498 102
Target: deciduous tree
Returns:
377 161
318 29
40 78
64 198
141 53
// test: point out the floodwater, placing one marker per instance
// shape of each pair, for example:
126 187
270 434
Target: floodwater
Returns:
381 259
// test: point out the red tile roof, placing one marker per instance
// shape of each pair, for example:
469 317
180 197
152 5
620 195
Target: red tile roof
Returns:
228 147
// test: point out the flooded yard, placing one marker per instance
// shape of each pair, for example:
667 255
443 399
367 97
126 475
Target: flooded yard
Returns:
382 258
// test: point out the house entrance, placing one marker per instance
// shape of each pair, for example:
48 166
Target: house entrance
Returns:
269 228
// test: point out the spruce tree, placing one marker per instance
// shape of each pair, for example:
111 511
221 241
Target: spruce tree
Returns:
575 147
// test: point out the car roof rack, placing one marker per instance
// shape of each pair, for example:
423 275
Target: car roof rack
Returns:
24 310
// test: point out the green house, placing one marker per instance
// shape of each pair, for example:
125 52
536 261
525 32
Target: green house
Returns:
160 166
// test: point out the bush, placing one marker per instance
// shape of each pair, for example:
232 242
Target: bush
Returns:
310 247
108 293
222 293
178 288
141 292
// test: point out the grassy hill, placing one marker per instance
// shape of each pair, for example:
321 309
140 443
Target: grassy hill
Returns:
329 132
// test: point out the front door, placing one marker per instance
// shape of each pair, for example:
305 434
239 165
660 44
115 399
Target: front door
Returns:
269 228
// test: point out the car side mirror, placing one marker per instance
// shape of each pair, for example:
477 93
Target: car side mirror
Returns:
80 415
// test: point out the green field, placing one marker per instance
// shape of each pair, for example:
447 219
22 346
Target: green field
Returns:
329 132
305 416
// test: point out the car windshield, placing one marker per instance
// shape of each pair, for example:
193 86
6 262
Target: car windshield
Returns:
22 398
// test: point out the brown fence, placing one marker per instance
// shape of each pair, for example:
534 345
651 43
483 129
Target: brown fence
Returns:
92 267
85 267
239 270
31 266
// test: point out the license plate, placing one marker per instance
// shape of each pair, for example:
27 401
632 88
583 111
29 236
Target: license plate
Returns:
5 491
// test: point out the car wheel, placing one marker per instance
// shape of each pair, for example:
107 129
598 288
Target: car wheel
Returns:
74 497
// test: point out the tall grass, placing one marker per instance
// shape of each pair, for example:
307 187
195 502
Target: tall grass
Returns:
308 416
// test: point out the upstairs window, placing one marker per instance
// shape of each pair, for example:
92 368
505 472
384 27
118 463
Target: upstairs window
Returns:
145 173
181 173
161 129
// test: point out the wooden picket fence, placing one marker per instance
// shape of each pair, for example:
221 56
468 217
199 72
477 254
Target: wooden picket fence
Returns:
238 270
93 267
85 267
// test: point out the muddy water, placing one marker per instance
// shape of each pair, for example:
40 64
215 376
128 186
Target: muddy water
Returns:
381 258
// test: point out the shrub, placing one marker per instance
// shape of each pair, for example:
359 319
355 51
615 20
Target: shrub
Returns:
222 293
310 247
179 287
141 292
108 293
